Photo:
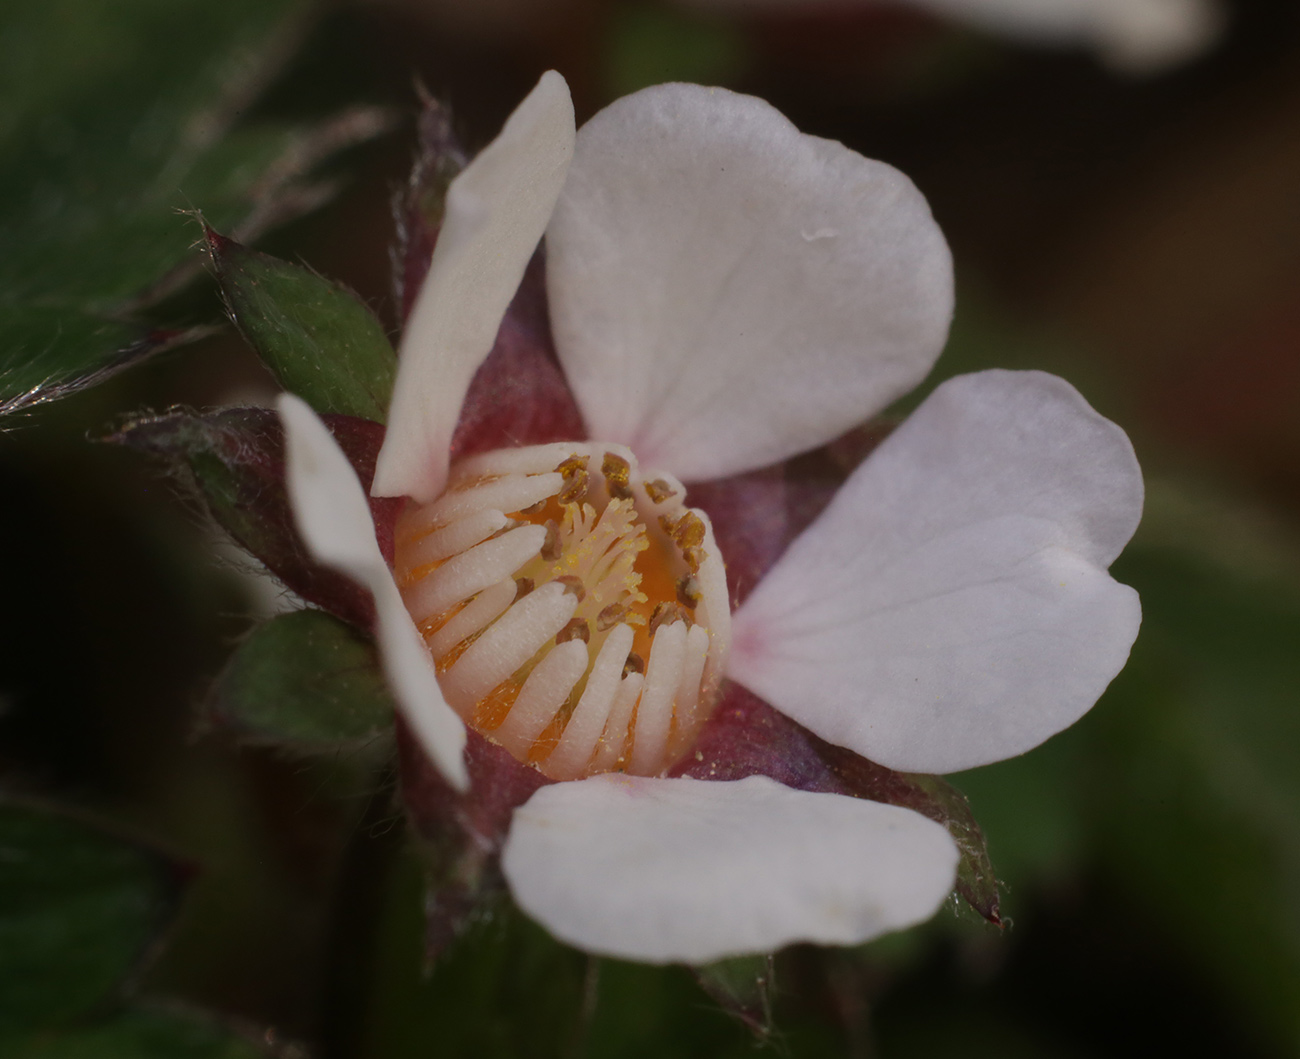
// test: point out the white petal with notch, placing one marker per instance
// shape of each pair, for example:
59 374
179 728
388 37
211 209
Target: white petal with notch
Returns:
496 212
667 870
951 607
726 291
333 518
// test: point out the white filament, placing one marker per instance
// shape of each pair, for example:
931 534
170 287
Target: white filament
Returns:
540 699
614 738
472 571
516 636
688 688
512 493
655 714
569 759
454 538
474 617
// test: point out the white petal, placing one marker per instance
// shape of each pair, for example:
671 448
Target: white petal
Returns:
686 870
951 606
726 291
496 212
334 521
1138 35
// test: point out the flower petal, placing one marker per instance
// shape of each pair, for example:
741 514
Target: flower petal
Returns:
334 520
726 291
1134 35
686 870
496 211
952 607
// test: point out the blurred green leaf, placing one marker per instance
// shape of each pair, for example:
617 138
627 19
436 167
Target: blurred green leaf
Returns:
79 910
506 988
320 340
135 1035
1199 745
652 44
114 115
308 681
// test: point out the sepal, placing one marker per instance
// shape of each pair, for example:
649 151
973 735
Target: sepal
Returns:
742 986
419 206
319 339
235 461
308 683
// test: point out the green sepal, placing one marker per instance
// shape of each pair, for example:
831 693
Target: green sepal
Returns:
309 682
743 986
80 911
135 1034
319 339
976 883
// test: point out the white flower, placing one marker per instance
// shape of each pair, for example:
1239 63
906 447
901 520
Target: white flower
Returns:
1137 36
727 292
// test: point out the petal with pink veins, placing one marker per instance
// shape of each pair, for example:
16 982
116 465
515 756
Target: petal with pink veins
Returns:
333 517
668 870
726 291
496 212
951 607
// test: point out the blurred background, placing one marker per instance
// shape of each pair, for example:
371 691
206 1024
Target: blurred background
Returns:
1124 210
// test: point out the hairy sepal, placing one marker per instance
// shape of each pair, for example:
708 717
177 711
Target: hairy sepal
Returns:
234 460
319 338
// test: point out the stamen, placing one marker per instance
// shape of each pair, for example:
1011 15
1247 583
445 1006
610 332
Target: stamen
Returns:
504 494
474 617
654 715
578 742
543 587
509 643
472 571
686 716
453 539
544 692
609 748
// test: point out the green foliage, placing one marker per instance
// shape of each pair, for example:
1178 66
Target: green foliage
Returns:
79 911
1201 814
115 115
139 1034
649 45
320 340
308 681
506 988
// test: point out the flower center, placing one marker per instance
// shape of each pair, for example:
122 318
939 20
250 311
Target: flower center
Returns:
577 612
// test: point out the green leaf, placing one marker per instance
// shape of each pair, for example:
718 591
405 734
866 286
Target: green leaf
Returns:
306 680
140 1034
79 912
1199 746
320 340
116 115
651 44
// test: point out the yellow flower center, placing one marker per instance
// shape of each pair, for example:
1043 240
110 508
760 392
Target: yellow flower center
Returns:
577 612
